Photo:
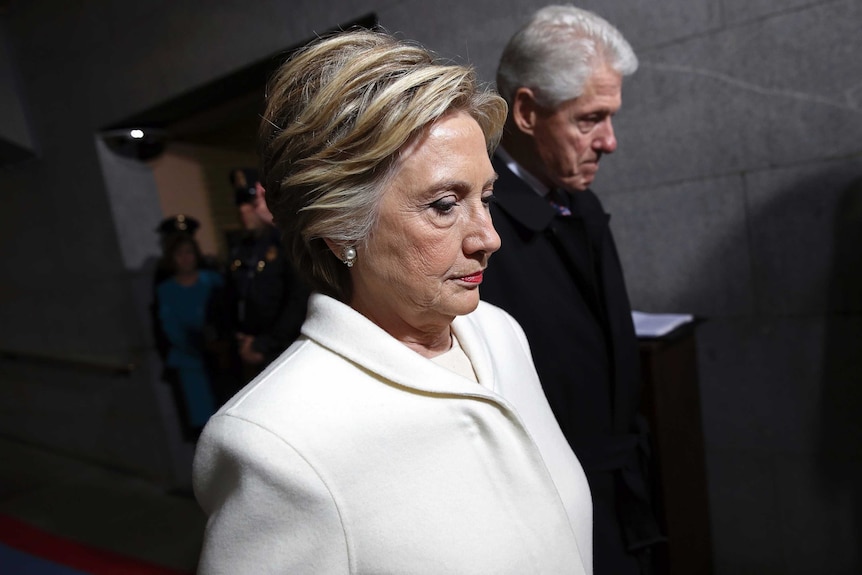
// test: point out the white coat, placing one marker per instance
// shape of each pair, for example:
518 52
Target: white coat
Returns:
352 453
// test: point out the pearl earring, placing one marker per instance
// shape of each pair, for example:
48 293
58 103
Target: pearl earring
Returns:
348 256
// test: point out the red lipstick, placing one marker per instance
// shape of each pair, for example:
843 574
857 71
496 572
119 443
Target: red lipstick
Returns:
475 278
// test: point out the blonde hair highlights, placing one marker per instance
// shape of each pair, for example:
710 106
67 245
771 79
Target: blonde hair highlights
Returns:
337 115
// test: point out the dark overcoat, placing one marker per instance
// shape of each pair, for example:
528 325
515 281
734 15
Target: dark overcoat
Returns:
561 278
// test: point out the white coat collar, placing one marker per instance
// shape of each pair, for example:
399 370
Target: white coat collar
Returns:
346 332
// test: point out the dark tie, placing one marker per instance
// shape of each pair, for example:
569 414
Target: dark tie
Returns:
559 200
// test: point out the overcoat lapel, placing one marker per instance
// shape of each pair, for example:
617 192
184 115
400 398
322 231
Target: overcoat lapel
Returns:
568 235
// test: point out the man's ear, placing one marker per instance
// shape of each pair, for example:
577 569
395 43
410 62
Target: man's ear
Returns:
524 110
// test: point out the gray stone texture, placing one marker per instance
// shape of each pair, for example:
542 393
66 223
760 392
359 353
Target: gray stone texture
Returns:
806 225
773 515
760 383
735 195
696 258
745 514
781 400
748 97
134 201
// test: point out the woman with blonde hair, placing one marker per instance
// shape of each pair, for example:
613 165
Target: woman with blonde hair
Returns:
405 431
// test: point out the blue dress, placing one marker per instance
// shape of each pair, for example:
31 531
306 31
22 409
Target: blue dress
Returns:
182 312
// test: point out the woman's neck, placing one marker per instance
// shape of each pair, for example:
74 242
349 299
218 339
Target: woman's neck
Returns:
430 346
187 278
429 337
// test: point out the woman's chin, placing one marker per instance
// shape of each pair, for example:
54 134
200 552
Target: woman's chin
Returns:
465 302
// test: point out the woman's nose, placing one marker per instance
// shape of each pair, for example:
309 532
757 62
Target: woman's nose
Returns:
482 237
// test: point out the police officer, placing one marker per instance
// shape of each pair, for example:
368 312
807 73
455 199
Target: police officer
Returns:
266 299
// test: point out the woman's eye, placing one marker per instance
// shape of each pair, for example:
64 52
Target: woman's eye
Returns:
444 205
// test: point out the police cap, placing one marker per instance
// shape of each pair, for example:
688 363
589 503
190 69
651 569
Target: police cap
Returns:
179 223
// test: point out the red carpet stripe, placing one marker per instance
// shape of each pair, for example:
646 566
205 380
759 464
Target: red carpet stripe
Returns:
29 539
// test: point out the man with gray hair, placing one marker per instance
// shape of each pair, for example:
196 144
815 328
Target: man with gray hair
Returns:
558 272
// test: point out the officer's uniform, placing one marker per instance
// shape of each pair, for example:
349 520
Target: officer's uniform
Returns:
265 297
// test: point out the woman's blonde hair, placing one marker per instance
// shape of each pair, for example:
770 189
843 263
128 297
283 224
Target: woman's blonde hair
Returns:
338 113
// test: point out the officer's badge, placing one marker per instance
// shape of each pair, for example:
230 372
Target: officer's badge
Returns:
271 254
239 180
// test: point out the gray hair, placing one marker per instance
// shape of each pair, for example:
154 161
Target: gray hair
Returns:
338 114
557 50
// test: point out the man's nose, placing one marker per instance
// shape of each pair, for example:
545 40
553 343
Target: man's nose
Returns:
605 140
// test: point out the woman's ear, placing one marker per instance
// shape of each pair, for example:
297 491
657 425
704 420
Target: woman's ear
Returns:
524 110
335 247
344 252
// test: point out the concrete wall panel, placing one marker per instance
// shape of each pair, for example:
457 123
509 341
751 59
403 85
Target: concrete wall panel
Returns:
684 247
804 223
744 98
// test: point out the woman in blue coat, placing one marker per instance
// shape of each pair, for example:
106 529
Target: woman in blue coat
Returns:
182 301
